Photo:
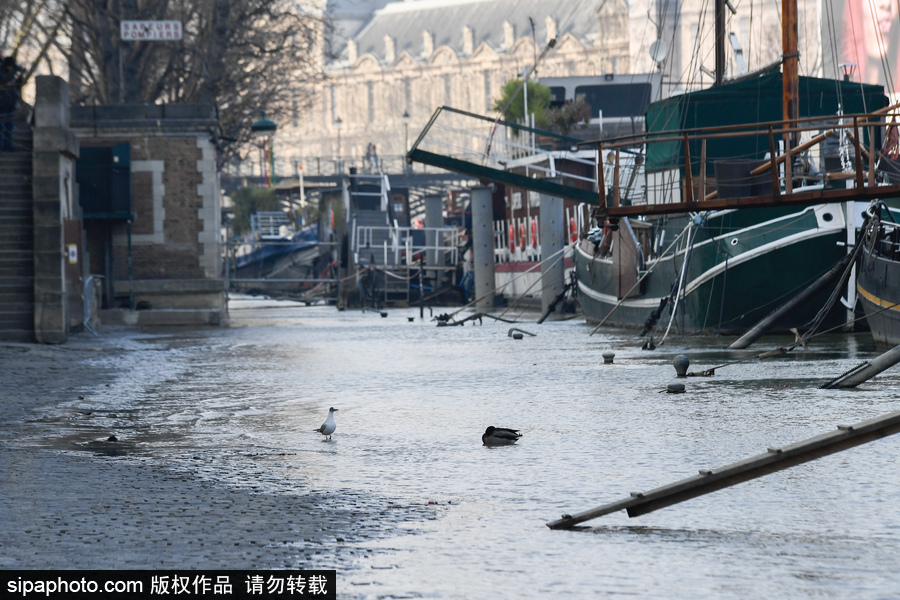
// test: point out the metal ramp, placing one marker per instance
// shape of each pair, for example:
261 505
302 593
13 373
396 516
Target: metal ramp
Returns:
520 156
388 254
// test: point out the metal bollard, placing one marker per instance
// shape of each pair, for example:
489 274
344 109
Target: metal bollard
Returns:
681 364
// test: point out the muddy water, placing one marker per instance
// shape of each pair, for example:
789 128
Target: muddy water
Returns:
238 406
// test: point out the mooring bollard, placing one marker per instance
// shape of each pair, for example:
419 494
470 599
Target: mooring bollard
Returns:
517 336
681 364
675 388
608 357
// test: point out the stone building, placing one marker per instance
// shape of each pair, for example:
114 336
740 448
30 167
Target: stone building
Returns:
159 251
412 57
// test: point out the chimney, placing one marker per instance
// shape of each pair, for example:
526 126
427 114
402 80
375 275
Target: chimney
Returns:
427 43
390 54
351 51
468 40
509 34
551 26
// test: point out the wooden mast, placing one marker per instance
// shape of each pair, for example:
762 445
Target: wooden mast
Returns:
790 61
720 42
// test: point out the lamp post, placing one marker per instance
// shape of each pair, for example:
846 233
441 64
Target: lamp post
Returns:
338 123
263 129
405 140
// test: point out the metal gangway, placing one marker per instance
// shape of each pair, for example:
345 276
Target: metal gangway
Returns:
517 155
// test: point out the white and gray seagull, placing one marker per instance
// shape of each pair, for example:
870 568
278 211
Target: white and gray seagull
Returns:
499 436
329 425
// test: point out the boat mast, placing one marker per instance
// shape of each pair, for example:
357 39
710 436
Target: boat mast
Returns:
790 61
720 42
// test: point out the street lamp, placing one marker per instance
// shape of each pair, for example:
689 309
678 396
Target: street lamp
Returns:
338 123
263 129
405 118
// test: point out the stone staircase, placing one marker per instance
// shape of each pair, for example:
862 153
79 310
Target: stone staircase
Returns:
17 240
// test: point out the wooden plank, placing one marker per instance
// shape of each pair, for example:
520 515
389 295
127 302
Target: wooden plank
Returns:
773 460
796 199
688 183
773 157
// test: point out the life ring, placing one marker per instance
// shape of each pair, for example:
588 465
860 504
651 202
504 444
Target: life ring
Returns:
523 239
512 238
534 232
573 231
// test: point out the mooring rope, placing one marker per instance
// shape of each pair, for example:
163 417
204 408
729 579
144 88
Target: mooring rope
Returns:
476 300
644 276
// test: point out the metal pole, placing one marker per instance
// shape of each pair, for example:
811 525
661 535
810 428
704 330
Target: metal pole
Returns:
851 281
421 290
553 234
130 272
866 371
434 220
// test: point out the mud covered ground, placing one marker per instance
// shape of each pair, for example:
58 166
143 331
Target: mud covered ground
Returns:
72 499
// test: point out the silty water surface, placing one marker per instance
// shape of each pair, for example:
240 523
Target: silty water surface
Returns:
239 406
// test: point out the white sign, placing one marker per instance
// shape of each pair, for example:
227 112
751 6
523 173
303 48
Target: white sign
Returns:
150 31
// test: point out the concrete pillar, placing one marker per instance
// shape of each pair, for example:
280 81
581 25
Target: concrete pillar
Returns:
55 150
553 239
483 248
434 218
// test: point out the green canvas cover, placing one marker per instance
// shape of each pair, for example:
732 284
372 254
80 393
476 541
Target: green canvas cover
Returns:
747 101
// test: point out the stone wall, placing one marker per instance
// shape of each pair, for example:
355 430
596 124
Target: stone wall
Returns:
174 275
54 153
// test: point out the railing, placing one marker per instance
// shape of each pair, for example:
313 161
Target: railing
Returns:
519 239
317 166
827 161
267 225
399 249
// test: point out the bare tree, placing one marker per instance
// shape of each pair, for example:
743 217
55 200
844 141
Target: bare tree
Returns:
29 31
241 55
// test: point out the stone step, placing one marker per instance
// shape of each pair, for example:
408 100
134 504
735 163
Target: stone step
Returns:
16 334
11 199
16 204
18 304
16 212
18 241
21 161
17 316
13 225
17 286
19 219
16 268
12 178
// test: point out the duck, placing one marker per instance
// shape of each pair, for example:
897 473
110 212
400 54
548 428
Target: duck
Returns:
329 425
500 436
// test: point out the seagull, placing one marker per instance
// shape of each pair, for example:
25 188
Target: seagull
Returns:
329 425
498 436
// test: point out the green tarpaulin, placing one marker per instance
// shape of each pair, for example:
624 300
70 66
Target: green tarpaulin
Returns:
750 100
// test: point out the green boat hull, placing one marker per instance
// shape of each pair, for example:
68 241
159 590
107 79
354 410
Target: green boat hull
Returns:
738 266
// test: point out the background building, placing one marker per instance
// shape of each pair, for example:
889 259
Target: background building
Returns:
411 57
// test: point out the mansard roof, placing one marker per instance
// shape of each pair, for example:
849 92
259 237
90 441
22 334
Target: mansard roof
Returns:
405 22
